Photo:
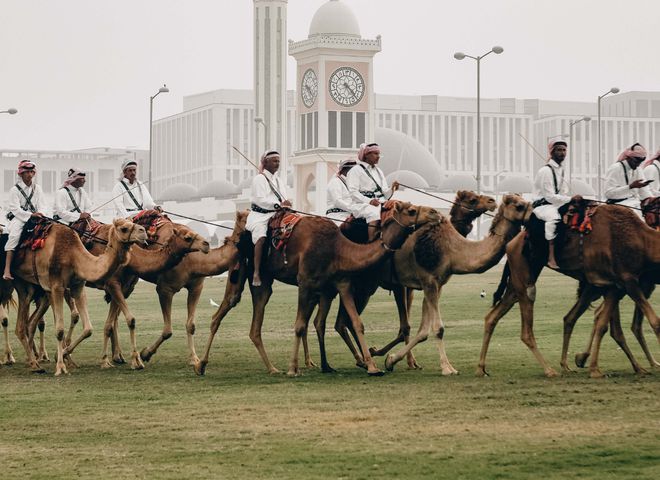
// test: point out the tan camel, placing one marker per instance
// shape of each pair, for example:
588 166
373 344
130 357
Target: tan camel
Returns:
62 263
146 263
620 251
321 261
190 274
432 255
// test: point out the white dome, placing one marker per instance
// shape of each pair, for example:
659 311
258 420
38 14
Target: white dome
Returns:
334 18
178 192
218 189
409 178
515 185
403 152
458 182
578 187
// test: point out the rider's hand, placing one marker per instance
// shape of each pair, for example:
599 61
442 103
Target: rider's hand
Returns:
84 215
286 203
395 186
374 202
158 208
37 215
639 183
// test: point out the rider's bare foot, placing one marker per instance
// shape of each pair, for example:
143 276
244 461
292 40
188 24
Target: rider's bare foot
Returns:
7 276
553 264
256 281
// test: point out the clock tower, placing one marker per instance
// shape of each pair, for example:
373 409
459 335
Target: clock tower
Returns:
334 99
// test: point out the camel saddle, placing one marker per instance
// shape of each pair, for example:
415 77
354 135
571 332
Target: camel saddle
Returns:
280 227
577 216
34 233
86 228
651 212
151 220
356 229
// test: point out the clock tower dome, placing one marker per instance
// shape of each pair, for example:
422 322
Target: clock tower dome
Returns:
334 99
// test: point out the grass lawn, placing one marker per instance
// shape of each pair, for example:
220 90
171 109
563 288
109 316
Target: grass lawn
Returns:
239 422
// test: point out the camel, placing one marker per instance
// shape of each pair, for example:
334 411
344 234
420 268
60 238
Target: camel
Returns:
6 299
620 251
433 254
320 261
62 263
190 274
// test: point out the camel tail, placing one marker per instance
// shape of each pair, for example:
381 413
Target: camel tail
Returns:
501 288
107 298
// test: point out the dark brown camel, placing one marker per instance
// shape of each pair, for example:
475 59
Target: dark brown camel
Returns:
321 261
620 251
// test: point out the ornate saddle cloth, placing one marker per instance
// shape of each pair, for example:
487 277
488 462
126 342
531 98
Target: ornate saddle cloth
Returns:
34 233
151 220
87 230
578 216
281 227
651 212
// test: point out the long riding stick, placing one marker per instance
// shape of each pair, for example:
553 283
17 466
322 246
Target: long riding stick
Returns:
246 158
137 185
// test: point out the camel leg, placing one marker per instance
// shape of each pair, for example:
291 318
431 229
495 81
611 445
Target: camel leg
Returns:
108 332
617 334
37 321
307 301
589 294
80 296
22 328
603 316
8 354
165 299
636 328
581 357
319 324
635 292
309 363
342 328
193 299
260 297
348 301
527 334
75 316
117 296
232 297
56 296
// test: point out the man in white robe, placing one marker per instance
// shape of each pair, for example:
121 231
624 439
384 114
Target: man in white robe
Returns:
72 201
130 195
339 197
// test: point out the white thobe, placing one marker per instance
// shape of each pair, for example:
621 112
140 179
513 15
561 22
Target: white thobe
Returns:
339 198
359 183
64 207
618 178
124 204
22 213
263 197
544 188
652 172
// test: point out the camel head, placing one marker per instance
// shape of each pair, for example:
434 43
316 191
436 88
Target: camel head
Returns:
129 232
477 205
185 240
513 208
400 219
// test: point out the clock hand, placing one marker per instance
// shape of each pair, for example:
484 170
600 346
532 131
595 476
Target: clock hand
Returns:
349 87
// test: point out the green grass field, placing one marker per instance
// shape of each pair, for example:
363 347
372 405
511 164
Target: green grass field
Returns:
239 422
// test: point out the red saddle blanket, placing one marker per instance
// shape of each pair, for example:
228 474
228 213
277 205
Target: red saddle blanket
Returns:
151 220
578 216
87 228
35 233
281 227
651 212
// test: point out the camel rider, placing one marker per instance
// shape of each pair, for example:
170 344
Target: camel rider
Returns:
130 195
551 191
339 198
71 201
652 172
268 195
368 186
26 200
625 183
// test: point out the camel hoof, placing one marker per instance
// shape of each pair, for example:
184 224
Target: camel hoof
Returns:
136 363
581 359
566 369
61 369
293 373
118 359
328 369
9 359
310 364
361 364
551 373
106 363
481 372
274 371
389 363
597 374
37 369
69 362
655 364
194 360
146 355
200 368
449 371
642 371
376 373
43 357
415 366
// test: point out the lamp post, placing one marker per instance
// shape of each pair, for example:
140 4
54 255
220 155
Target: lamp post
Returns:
570 146
261 121
10 111
600 166
162 89
461 56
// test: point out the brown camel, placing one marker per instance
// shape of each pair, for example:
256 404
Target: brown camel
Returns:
6 299
190 274
620 251
63 263
321 261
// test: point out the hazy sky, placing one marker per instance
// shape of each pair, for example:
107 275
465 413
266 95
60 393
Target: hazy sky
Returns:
80 72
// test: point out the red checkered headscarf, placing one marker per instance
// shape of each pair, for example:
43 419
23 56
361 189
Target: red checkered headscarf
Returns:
652 159
73 175
552 145
26 166
366 149
635 151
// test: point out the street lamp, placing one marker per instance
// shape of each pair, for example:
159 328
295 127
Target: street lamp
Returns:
600 166
461 56
261 121
162 89
570 146
11 111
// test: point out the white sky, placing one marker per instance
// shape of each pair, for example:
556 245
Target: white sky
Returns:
80 72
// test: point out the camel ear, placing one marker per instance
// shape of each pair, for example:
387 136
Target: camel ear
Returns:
461 194
175 231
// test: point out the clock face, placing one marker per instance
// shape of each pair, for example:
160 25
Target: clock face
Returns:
346 86
309 87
